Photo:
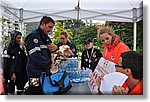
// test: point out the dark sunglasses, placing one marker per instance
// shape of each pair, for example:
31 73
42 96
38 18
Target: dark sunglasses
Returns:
62 38
119 66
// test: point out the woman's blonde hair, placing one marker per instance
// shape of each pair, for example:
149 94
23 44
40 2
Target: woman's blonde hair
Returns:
109 31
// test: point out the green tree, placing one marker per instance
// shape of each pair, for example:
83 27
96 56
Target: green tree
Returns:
125 31
140 36
58 29
69 24
82 34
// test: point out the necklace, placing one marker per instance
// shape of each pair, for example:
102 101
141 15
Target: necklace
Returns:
89 56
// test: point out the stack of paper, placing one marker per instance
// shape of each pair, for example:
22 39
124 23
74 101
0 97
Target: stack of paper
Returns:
103 67
111 79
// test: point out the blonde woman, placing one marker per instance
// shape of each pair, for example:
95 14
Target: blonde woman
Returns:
113 46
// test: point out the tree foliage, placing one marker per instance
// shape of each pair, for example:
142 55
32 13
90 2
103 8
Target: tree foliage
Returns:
125 31
58 29
82 34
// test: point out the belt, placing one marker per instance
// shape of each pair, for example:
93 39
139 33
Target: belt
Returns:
34 81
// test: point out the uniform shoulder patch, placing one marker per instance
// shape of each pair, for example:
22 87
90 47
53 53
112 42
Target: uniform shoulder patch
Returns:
5 52
35 41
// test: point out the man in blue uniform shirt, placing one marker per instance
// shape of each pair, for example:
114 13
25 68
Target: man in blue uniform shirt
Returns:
39 47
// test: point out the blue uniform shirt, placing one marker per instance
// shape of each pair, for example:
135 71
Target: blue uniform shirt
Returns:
39 56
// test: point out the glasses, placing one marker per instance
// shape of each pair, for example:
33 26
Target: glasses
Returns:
62 38
119 66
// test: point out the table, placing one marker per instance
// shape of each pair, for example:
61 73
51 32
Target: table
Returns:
79 89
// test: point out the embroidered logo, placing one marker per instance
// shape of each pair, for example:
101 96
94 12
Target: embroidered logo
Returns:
94 55
5 52
35 41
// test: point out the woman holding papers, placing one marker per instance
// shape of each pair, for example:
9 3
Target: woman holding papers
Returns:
113 46
130 64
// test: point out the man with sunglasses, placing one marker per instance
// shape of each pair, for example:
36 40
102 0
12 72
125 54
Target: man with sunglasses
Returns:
131 64
39 47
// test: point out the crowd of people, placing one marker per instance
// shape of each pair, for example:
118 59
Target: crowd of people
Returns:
24 63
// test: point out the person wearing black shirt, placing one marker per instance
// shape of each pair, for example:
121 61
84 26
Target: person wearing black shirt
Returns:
72 51
90 56
14 64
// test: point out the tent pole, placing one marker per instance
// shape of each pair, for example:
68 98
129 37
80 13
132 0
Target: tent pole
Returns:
135 27
21 20
78 8
135 32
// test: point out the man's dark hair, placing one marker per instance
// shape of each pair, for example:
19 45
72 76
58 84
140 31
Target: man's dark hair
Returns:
134 61
46 20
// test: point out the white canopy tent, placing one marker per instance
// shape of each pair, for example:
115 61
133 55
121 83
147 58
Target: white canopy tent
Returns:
105 10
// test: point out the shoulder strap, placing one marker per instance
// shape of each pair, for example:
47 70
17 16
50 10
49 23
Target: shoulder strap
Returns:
43 77
60 83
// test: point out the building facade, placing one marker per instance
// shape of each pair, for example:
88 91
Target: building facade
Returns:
9 22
